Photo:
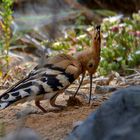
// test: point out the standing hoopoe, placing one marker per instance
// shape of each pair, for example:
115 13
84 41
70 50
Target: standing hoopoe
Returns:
57 74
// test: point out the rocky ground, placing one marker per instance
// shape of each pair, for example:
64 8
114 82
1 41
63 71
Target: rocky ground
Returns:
51 125
57 125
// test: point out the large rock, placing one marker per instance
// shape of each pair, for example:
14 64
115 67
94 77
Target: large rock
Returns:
117 119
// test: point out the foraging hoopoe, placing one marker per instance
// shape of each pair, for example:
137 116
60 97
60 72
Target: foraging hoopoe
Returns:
54 76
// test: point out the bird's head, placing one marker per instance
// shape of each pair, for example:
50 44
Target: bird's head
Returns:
94 57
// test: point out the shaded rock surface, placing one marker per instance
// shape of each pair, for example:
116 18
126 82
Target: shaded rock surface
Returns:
116 119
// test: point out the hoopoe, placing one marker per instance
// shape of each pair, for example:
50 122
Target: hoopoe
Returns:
48 80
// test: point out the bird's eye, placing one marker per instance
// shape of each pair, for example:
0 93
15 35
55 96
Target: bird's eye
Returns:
90 65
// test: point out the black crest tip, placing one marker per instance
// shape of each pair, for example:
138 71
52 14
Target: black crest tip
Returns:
98 27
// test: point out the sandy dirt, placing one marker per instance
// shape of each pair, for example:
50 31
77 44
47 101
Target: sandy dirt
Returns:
52 125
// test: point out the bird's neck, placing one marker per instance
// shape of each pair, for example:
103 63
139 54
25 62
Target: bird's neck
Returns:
96 49
85 56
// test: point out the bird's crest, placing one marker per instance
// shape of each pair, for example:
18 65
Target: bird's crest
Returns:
96 41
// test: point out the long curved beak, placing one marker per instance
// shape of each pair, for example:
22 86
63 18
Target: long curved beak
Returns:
90 88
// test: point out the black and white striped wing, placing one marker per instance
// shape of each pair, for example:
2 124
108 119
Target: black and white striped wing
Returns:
42 81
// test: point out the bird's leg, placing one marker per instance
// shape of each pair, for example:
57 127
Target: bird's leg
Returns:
52 102
37 103
83 75
90 88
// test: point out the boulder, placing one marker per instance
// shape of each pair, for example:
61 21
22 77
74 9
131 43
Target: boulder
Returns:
117 119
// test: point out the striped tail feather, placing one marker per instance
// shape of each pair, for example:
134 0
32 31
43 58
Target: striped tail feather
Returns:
20 91
4 103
